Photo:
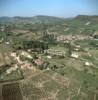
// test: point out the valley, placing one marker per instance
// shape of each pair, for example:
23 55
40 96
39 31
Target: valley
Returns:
49 58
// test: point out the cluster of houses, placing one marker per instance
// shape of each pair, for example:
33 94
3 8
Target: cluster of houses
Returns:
71 37
65 38
26 64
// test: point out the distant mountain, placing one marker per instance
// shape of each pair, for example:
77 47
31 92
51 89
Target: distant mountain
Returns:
35 19
48 19
87 18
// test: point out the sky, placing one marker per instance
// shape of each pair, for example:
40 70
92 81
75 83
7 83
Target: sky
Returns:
59 8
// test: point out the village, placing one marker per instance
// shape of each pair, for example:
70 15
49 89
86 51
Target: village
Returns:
69 48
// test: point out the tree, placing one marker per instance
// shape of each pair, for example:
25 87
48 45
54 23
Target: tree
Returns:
35 56
50 38
46 65
27 44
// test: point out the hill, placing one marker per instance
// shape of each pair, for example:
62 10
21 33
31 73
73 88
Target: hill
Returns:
87 18
35 19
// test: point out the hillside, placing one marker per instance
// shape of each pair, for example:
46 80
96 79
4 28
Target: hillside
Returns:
49 58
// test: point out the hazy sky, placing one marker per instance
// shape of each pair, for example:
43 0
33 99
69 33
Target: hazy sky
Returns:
60 8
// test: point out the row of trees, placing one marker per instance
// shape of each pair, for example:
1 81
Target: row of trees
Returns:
30 45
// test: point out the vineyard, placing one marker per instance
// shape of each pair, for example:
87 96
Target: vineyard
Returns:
11 92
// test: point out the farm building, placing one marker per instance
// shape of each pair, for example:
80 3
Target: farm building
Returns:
55 52
2 28
26 54
74 55
39 61
88 63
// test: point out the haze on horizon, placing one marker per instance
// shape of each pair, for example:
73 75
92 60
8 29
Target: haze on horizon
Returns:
59 8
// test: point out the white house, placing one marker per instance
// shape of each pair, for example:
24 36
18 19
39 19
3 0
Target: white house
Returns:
74 55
